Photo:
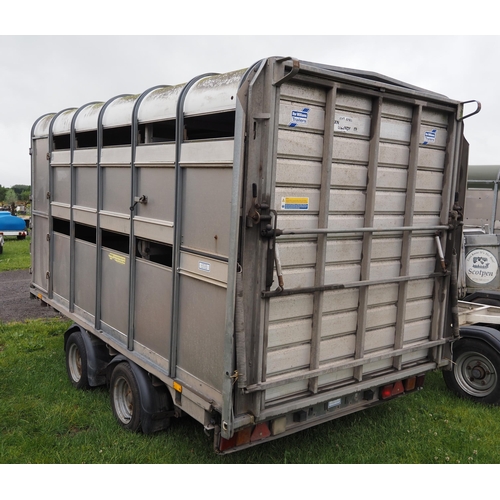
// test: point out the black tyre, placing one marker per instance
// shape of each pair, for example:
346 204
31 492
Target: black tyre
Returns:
476 372
125 397
76 361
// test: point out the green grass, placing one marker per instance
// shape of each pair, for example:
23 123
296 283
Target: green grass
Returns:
16 254
43 420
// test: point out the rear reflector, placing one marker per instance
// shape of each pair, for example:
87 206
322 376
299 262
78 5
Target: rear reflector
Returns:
398 388
245 436
410 384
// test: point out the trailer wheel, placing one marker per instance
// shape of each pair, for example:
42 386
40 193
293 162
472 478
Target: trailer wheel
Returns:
125 397
76 361
475 373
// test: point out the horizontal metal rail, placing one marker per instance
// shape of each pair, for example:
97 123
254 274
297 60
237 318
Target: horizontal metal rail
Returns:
281 292
471 313
321 397
286 232
343 364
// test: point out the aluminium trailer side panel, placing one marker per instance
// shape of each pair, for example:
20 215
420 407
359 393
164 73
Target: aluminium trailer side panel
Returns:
114 274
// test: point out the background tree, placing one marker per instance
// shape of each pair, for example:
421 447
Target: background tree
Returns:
10 196
19 189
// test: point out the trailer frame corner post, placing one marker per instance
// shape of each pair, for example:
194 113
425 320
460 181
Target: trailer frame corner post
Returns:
237 216
273 77
176 250
35 213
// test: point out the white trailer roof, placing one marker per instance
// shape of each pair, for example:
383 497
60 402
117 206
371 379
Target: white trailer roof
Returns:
209 94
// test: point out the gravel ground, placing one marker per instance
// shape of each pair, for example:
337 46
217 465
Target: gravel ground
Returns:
16 302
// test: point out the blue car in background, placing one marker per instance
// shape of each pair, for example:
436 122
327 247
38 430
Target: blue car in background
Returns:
11 225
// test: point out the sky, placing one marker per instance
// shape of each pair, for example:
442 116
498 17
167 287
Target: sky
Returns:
48 73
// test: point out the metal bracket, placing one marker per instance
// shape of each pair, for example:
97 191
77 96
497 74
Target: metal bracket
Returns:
295 69
139 199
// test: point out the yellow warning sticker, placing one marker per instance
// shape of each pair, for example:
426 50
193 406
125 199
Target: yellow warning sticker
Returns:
294 203
119 259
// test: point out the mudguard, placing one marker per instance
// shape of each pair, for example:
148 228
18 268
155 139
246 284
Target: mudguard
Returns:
155 401
487 334
488 297
97 355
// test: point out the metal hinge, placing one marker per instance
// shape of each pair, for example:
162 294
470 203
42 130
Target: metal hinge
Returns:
48 156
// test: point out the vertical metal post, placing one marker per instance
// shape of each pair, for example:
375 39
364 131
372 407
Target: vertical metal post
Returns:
324 210
133 193
411 181
176 250
72 202
50 196
99 205
495 203
371 193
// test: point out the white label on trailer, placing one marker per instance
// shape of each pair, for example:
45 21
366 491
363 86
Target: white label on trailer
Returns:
294 203
481 266
430 136
344 124
334 403
299 117
204 266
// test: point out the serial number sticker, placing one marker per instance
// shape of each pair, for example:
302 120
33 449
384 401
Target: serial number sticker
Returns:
334 403
344 124
204 266
119 259
294 203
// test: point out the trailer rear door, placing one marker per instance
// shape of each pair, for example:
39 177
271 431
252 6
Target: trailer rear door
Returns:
360 183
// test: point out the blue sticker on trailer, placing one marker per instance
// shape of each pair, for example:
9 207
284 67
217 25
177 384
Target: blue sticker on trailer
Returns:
430 136
299 117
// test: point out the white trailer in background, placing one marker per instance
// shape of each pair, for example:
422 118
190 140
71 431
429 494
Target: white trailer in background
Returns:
263 250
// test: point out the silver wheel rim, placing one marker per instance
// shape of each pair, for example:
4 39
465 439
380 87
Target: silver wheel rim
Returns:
75 363
123 400
476 374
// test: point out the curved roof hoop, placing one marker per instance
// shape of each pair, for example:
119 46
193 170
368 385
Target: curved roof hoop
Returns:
133 203
179 134
135 123
46 115
72 147
51 126
97 312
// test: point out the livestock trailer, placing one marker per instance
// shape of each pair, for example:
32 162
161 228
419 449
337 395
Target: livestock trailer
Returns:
263 250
